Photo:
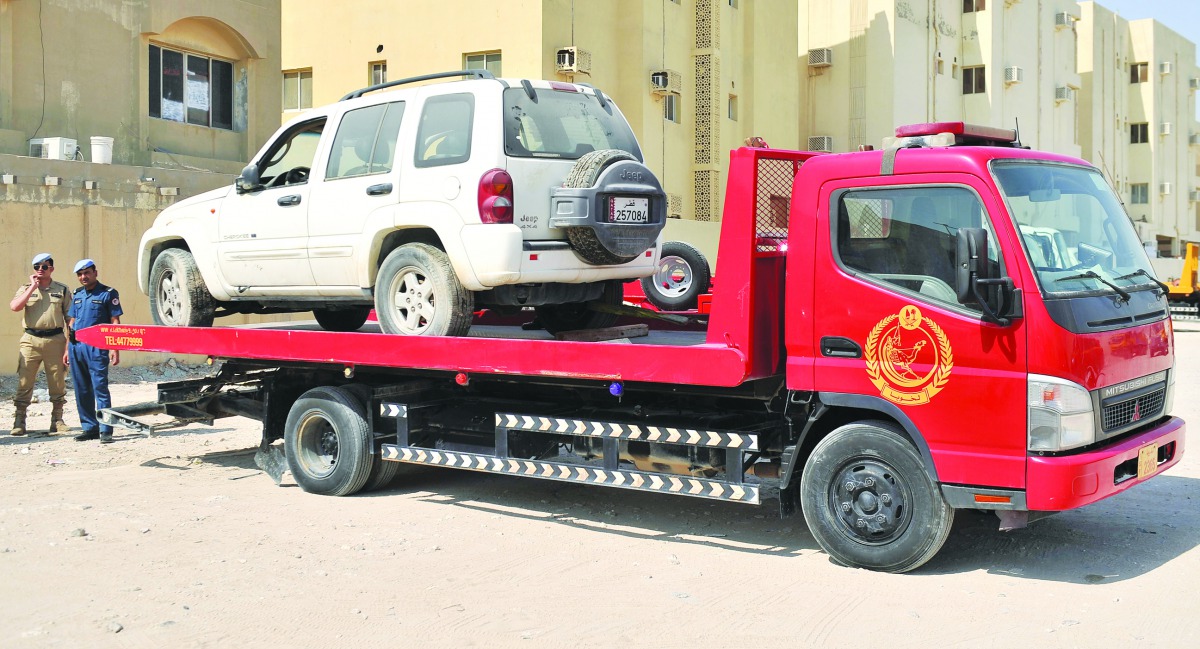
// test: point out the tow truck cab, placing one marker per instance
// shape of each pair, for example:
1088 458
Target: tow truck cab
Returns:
1037 382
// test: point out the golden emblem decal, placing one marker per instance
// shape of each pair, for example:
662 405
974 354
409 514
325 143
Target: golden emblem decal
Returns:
908 357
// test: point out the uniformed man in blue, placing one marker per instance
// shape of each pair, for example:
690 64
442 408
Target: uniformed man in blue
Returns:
92 303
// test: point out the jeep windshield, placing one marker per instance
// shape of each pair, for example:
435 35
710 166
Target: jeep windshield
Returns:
1076 234
563 124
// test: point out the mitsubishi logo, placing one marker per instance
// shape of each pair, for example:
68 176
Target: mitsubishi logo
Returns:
1136 414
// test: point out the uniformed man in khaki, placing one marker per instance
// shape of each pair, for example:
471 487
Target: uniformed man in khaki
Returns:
43 303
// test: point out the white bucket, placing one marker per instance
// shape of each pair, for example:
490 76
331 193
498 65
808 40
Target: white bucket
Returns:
102 149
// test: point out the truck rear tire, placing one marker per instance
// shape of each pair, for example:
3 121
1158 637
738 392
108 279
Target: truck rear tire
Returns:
350 319
870 503
383 472
327 442
417 293
557 318
682 276
178 296
585 173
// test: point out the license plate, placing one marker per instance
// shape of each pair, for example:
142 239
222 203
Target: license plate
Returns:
1147 460
628 210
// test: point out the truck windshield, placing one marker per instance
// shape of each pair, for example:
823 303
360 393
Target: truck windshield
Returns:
563 124
1076 234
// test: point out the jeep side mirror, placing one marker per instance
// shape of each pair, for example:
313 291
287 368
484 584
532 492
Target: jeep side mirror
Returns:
248 181
974 282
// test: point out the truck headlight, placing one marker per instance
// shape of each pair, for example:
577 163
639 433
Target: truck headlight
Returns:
1060 414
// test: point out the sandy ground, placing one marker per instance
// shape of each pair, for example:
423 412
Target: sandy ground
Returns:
178 540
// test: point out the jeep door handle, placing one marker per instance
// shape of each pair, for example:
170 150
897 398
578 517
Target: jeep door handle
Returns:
839 347
288 201
379 190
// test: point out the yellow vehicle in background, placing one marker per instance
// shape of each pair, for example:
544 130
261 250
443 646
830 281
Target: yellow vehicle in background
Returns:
1184 297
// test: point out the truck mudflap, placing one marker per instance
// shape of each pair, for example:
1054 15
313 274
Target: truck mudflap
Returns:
1057 483
606 472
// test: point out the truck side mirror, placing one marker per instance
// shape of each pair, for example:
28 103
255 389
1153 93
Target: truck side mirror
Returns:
248 181
974 282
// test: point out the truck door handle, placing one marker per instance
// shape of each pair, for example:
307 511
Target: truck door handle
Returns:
379 190
288 201
839 347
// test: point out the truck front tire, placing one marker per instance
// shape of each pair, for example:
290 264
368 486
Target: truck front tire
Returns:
418 294
327 442
869 502
178 296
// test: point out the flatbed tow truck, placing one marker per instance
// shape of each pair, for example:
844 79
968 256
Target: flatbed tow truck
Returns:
840 369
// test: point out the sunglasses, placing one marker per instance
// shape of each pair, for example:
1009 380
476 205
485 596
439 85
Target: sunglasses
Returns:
43 266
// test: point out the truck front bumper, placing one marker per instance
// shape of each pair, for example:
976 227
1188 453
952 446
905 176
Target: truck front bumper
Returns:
1056 483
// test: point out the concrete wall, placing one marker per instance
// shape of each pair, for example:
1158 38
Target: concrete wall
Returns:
79 68
71 223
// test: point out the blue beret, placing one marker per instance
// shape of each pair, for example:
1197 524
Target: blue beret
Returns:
84 263
40 257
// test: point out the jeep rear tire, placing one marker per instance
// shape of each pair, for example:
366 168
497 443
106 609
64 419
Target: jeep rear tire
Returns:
584 174
348 319
417 293
178 296
557 318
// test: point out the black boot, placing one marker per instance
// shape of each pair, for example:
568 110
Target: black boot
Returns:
87 435
106 438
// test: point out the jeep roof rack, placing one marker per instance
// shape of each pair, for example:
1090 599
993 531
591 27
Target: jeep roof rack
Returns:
477 74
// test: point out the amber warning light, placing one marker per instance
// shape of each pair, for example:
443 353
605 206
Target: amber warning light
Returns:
951 134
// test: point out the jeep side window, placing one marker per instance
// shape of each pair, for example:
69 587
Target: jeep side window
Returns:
906 236
366 141
444 135
288 162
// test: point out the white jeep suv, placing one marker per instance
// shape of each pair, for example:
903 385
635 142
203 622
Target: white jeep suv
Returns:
424 202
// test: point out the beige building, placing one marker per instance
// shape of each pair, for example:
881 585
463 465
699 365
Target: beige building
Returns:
872 65
1137 112
694 77
184 88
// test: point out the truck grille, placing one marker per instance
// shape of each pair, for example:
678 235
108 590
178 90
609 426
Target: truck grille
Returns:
1123 413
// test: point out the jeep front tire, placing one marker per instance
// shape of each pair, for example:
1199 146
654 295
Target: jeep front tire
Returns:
178 296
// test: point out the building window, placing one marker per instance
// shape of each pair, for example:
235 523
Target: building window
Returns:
1139 133
671 107
1139 73
378 73
1139 193
489 61
733 107
733 3
297 90
974 80
191 88
971 6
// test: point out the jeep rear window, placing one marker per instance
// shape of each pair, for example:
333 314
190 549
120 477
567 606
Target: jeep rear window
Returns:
563 125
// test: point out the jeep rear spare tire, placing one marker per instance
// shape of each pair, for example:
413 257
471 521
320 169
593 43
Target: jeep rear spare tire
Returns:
178 296
417 293
593 237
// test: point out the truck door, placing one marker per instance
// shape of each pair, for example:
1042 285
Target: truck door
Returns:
889 328
359 179
262 235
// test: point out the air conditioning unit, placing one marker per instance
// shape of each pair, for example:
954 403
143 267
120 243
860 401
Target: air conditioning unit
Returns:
1194 196
1166 67
573 60
1164 128
1194 83
1064 19
1194 139
1064 93
1013 74
663 82
1164 189
821 143
53 148
820 58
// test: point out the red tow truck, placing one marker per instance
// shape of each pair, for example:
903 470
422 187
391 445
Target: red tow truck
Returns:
887 347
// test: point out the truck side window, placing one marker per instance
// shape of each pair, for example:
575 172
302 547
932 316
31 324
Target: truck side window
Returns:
366 141
444 134
905 237
288 162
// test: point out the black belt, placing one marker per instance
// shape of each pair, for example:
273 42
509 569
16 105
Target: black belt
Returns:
44 333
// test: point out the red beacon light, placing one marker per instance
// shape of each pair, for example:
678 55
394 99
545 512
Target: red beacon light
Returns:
933 134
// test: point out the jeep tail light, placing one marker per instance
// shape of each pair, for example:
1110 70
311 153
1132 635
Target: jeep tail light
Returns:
496 197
